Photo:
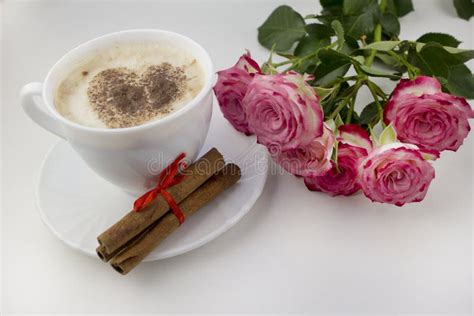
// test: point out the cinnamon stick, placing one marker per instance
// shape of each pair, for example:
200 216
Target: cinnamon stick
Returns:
129 258
134 223
106 256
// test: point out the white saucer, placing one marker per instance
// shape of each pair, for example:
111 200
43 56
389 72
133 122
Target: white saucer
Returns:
77 205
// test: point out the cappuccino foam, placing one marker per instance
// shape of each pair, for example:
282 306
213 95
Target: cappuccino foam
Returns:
128 85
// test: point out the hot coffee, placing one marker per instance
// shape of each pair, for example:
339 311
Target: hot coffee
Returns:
129 84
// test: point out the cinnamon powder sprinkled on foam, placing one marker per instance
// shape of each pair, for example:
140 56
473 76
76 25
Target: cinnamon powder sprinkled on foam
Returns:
123 98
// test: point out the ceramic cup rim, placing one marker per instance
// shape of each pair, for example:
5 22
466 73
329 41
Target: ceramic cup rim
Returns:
207 64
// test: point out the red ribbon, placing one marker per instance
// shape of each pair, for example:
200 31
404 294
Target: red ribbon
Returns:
168 177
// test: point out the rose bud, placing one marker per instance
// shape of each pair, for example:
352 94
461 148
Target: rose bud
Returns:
395 173
283 110
310 160
342 178
425 116
230 89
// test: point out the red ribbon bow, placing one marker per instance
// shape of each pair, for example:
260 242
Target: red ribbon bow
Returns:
168 177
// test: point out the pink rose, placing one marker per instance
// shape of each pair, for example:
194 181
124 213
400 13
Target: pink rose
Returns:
310 160
396 174
425 116
283 110
230 89
342 178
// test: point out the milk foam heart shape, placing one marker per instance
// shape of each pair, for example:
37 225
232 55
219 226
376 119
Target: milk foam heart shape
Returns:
122 97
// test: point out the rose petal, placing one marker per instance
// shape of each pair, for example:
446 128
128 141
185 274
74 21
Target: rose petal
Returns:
355 135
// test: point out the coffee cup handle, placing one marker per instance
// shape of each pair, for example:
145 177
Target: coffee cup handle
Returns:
36 111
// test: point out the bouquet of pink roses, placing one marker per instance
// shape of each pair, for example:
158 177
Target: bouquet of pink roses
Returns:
305 114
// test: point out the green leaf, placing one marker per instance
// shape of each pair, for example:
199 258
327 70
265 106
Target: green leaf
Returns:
309 45
323 93
327 74
390 24
463 55
351 44
464 8
333 65
403 7
383 46
388 135
391 7
328 55
363 23
282 28
440 38
369 115
434 60
359 59
330 3
379 73
339 31
332 9
390 61
319 30
353 7
461 81
400 7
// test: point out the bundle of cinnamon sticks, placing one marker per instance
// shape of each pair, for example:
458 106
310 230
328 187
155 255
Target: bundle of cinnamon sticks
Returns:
126 243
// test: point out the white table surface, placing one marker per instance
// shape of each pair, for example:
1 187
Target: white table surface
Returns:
296 251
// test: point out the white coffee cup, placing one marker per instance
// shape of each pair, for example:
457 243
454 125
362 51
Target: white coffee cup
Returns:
128 157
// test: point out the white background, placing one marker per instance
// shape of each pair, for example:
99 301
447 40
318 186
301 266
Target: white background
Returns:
296 251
